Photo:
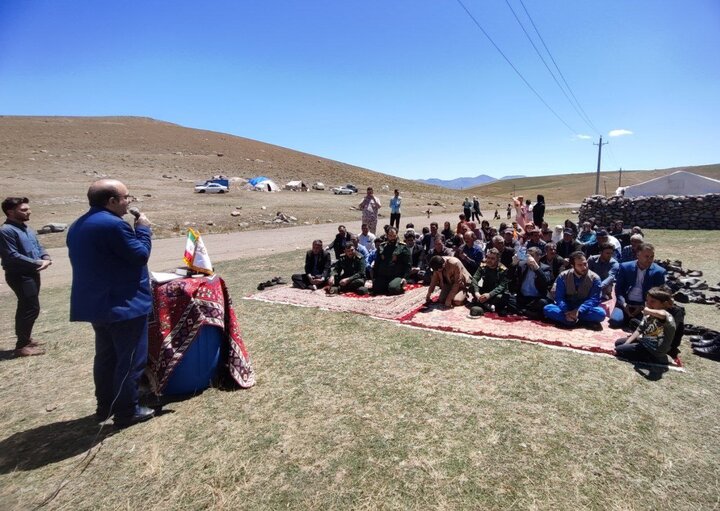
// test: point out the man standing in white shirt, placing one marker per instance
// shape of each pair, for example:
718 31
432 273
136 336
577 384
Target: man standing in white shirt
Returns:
395 203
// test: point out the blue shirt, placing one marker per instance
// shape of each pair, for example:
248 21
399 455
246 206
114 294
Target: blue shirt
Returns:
20 249
606 271
561 298
395 204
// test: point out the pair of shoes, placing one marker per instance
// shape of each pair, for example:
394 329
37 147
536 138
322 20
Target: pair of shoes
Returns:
142 414
29 351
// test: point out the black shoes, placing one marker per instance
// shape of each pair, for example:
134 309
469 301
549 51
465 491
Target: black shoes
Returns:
142 414
707 345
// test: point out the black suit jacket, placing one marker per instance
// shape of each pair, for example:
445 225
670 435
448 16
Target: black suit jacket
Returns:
323 263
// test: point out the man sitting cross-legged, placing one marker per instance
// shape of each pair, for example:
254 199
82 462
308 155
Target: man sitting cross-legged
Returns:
392 264
317 268
451 277
489 284
577 296
348 273
531 281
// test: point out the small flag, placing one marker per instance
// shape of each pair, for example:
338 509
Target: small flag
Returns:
196 257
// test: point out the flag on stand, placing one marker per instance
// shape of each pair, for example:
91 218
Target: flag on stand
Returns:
196 257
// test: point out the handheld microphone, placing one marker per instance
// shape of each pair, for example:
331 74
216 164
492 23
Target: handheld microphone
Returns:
134 211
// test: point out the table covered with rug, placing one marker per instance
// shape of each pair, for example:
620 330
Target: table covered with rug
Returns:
182 308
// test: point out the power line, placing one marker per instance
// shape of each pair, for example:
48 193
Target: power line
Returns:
539 54
477 23
587 117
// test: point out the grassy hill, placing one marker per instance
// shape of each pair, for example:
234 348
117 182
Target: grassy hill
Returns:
573 188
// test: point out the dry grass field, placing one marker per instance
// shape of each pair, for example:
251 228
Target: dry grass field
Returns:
348 412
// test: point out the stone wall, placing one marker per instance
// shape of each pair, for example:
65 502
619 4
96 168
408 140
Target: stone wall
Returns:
659 212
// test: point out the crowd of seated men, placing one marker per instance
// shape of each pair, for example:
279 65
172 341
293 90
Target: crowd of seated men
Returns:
561 275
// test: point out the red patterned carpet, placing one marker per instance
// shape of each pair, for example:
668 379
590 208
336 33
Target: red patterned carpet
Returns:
409 310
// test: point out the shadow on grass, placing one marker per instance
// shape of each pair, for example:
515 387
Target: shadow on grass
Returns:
650 373
50 443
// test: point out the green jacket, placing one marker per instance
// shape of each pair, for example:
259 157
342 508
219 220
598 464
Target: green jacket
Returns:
494 280
350 267
393 261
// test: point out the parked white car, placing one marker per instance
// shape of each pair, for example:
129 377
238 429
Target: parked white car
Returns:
341 190
211 188
318 186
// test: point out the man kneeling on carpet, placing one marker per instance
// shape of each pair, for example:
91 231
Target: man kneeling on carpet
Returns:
577 296
451 277
489 284
654 337
392 266
348 273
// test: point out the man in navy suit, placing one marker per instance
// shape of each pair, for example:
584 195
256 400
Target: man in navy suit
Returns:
634 279
111 290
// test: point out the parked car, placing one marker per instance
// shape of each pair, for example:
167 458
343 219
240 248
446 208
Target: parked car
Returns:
351 187
211 188
318 186
342 190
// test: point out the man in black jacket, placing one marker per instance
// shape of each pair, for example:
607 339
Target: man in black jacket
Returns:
538 211
317 268
342 238
568 245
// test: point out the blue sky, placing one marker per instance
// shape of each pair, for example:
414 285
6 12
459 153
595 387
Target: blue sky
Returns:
410 88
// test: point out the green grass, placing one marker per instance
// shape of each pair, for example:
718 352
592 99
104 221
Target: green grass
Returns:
355 413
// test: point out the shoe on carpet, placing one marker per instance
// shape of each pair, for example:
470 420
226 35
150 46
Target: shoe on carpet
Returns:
142 414
29 351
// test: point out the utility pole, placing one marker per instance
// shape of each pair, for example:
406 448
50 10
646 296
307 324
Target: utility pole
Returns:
620 178
597 176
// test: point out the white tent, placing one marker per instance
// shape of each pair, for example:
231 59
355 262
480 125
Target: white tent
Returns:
677 183
262 184
295 185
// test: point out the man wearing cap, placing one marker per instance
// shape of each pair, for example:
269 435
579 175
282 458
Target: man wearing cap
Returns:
629 253
23 258
634 279
577 296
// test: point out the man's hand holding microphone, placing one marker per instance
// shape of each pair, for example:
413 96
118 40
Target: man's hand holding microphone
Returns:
140 218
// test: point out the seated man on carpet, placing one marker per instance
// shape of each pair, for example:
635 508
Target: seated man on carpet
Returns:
366 238
602 237
392 265
451 277
587 234
654 337
553 260
489 284
531 282
372 256
632 283
506 253
418 261
341 239
533 239
470 253
577 296
360 249
606 267
568 244
348 273
317 268
629 253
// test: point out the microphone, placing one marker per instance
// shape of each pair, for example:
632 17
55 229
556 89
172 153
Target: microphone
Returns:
134 211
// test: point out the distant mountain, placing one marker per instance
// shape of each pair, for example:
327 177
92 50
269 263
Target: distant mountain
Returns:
460 183
512 177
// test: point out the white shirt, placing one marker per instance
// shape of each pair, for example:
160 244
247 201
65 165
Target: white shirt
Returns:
367 241
636 292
